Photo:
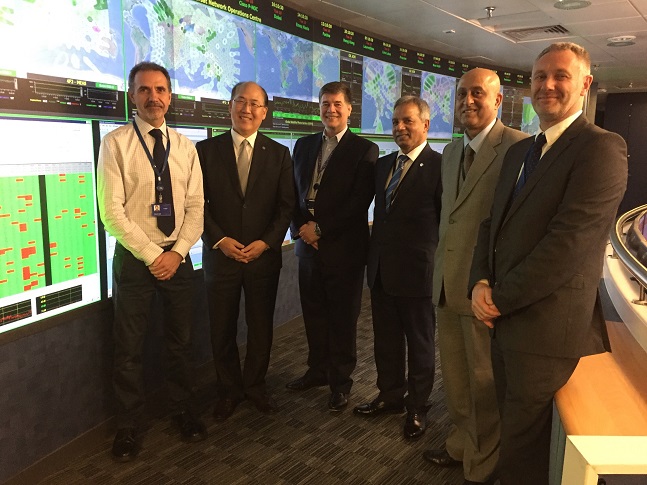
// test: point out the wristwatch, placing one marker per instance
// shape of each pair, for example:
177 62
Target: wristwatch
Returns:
317 230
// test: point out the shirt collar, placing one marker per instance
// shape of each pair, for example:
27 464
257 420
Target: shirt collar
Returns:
555 131
145 127
338 135
413 154
476 142
238 138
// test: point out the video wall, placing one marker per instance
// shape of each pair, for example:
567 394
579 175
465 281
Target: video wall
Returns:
63 77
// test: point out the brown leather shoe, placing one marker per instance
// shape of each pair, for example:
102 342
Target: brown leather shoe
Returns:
441 458
224 408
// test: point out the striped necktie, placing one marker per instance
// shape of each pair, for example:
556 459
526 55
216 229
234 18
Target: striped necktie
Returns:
395 180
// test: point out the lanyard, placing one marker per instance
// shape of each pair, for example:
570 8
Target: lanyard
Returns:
159 187
322 164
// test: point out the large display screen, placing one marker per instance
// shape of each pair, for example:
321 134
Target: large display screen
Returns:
49 257
64 71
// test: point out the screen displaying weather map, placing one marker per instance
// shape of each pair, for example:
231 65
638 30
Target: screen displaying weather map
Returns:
380 91
68 58
439 92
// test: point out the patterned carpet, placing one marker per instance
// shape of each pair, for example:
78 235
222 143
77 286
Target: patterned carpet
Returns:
301 444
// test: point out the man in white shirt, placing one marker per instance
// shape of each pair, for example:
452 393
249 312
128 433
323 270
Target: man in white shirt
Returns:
151 200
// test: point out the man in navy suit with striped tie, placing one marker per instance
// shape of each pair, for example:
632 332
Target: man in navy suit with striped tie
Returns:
400 268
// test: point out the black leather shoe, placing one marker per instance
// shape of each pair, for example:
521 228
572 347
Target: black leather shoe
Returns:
375 408
415 425
224 408
192 429
265 404
306 382
440 458
338 401
124 447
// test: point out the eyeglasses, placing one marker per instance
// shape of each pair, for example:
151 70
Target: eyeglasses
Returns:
241 103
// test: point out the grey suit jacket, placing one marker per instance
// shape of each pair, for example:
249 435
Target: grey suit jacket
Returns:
464 210
542 252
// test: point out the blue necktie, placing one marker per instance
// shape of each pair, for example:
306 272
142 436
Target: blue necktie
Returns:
395 180
532 160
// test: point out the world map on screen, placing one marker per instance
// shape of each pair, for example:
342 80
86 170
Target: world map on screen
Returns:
78 40
381 89
325 66
283 64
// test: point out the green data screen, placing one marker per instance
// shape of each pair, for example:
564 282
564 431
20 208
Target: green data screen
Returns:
48 220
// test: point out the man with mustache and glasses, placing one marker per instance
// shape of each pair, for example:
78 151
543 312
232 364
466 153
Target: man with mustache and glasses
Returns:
149 186
333 173
249 197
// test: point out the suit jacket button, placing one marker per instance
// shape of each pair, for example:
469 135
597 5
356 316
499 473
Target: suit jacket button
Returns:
244 206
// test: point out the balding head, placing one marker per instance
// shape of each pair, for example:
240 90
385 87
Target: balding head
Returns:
478 99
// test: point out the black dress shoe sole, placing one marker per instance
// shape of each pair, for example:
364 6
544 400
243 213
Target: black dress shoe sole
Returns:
124 458
414 437
304 386
372 414
194 438
444 461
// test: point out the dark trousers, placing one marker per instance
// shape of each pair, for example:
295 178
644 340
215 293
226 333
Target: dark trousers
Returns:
134 288
331 300
525 385
401 324
224 292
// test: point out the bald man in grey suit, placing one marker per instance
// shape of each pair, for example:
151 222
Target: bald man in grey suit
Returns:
468 189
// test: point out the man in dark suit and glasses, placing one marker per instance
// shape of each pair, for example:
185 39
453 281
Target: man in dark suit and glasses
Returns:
538 259
249 197
333 174
400 267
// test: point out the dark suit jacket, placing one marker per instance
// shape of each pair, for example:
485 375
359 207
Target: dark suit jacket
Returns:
464 210
403 242
343 198
543 255
265 209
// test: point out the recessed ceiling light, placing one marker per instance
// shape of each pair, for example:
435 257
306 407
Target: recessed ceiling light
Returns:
571 4
621 41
